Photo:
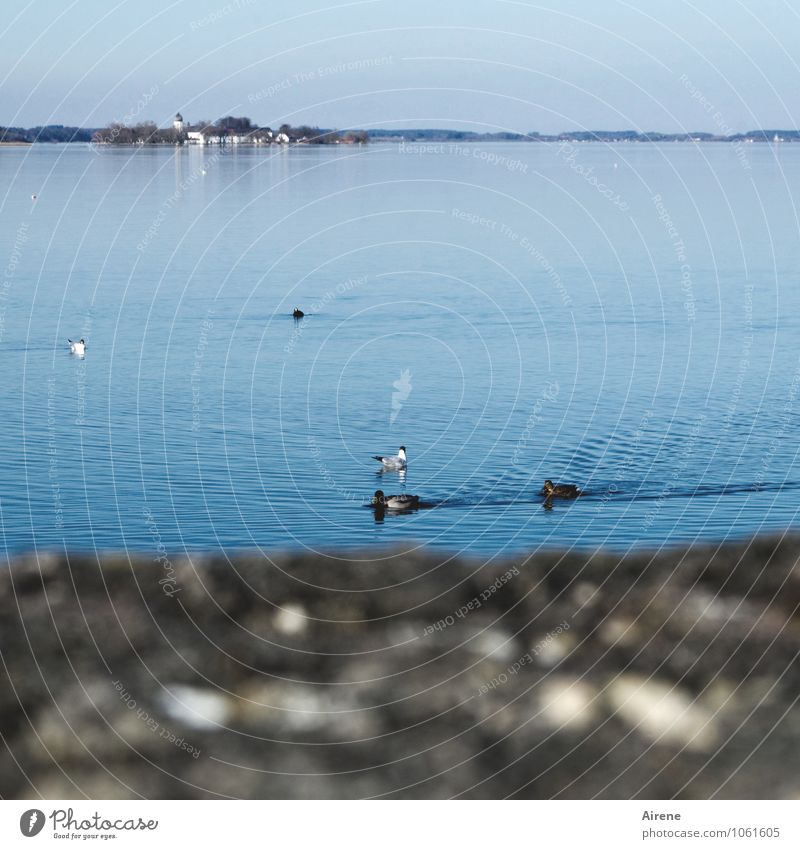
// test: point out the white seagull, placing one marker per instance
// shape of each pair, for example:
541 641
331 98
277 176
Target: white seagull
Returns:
395 462
78 348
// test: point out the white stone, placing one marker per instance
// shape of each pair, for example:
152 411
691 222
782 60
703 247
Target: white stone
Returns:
495 644
291 619
567 703
550 649
206 710
664 713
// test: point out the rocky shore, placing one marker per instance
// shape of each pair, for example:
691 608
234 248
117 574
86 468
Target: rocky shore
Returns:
403 675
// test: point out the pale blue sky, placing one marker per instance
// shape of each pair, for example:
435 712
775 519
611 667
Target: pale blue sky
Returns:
714 65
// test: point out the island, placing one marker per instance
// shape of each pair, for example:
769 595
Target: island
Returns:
225 131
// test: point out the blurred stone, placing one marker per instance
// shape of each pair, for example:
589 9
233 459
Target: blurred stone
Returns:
664 712
202 709
568 702
291 619
307 676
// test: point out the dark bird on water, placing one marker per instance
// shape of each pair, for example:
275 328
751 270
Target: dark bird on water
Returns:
559 490
298 313
394 502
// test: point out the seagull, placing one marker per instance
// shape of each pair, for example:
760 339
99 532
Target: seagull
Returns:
33 197
78 348
395 462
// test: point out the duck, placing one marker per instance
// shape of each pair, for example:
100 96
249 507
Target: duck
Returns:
559 490
297 313
394 502
78 348
396 461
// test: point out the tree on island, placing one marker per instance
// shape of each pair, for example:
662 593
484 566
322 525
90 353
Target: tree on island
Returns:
143 133
235 126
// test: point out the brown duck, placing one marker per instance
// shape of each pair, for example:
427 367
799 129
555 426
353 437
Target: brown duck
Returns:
559 490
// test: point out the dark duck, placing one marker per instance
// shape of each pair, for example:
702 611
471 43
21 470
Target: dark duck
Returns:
394 502
559 490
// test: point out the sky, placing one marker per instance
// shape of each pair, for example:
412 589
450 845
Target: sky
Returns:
719 66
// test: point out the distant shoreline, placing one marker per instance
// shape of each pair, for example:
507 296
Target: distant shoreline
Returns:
15 136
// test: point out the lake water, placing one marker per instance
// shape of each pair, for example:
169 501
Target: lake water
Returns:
620 317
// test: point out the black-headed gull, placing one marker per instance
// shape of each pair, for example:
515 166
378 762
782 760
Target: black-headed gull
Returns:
397 461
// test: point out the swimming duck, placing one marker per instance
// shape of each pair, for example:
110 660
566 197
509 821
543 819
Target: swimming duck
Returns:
397 461
559 490
298 313
78 348
394 502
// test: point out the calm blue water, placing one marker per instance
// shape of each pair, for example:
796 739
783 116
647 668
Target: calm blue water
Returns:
508 312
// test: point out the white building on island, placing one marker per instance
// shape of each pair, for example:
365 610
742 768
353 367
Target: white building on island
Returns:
210 135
